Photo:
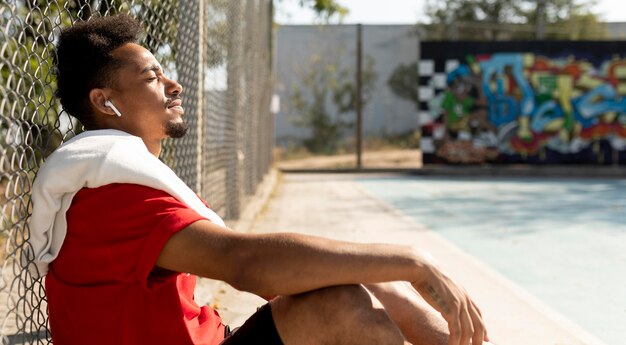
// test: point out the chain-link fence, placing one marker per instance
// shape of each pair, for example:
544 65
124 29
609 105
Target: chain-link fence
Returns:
219 50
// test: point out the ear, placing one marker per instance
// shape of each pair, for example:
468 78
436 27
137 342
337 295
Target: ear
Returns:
97 97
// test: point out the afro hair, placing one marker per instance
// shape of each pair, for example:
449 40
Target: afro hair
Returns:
83 60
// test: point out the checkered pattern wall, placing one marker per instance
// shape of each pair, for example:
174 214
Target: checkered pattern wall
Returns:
432 83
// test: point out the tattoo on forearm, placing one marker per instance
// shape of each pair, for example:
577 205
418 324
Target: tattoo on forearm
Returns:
437 299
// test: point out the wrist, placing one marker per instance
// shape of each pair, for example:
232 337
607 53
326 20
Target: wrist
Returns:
424 264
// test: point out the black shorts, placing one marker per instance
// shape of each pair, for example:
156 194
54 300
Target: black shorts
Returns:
258 329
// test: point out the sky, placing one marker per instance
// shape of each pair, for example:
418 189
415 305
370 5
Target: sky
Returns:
407 11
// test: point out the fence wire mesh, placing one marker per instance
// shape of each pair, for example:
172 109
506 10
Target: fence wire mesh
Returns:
219 50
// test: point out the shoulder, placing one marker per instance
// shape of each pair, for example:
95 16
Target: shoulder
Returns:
135 206
130 188
124 194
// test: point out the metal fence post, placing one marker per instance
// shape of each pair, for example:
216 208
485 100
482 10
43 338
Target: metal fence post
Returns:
187 156
234 153
359 95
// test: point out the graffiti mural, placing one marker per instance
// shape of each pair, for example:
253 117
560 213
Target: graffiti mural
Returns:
553 102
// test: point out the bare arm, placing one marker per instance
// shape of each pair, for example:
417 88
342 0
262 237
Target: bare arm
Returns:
284 263
287 263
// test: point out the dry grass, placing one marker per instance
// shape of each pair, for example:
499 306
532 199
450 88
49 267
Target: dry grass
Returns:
384 158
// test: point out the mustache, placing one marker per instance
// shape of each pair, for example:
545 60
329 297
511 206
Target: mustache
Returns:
170 100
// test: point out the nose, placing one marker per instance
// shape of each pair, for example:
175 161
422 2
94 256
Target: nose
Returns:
173 87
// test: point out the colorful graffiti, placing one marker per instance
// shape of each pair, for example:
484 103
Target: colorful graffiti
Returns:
526 107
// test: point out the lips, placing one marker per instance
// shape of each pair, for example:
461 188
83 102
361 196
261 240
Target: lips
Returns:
174 103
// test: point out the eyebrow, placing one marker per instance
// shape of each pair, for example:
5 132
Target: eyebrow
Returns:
151 68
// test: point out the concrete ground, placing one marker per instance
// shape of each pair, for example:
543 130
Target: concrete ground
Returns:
337 206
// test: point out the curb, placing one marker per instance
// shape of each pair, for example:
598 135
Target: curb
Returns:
557 171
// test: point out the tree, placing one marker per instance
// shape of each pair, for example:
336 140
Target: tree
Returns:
485 19
326 10
324 83
403 82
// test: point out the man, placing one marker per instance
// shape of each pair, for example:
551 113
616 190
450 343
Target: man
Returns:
133 239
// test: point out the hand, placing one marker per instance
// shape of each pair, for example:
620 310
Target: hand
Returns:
457 308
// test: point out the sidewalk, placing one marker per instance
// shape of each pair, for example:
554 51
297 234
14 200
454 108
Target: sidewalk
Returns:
336 206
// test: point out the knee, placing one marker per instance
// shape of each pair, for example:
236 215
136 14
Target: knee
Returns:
347 314
347 304
330 302
341 298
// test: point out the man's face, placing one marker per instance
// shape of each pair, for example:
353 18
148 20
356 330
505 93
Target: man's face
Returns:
149 101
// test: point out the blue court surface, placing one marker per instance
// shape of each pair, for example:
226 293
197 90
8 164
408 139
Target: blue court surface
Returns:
562 240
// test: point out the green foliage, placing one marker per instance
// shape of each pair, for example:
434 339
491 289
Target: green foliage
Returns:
485 19
403 82
326 10
323 84
217 32
407 140
29 109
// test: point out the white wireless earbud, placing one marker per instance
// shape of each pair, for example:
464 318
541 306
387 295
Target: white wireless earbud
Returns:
109 104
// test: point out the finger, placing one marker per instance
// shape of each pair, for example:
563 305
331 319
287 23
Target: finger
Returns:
467 328
477 309
478 324
454 326
485 333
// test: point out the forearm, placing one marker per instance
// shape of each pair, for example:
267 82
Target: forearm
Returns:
292 263
285 263
419 322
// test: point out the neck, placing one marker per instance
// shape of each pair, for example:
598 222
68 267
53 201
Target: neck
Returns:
153 145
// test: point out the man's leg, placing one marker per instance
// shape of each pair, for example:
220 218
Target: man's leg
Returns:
341 315
420 323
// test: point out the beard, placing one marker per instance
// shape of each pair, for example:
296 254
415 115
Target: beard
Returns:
176 129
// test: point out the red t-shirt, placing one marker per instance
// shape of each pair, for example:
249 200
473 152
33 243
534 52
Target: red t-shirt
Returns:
104 288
